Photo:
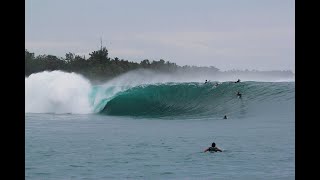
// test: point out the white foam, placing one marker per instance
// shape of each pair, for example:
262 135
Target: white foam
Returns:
57 92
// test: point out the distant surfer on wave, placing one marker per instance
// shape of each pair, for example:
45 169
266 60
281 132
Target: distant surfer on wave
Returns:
237 81
206 82
239 94
213 148
225 117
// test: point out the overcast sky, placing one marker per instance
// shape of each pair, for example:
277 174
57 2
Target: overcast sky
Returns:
227 34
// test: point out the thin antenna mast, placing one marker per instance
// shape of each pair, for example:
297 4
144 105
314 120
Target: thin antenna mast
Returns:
101 43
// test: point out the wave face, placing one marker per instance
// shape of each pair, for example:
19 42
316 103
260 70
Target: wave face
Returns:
59 92
201 100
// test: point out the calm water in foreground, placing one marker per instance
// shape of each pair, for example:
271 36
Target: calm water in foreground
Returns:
109 147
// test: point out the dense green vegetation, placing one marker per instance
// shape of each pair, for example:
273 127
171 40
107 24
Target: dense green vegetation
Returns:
99 66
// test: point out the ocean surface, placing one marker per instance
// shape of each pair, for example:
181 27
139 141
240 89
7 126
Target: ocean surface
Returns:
158 129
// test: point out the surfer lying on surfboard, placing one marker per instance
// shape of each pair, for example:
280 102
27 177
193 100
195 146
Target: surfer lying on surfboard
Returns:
213 148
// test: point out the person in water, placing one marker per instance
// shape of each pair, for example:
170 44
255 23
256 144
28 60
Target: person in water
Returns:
225 117
206 82
213 148
239 94
237 81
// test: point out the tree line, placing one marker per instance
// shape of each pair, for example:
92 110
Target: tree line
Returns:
99 66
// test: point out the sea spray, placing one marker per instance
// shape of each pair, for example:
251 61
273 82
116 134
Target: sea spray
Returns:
57 92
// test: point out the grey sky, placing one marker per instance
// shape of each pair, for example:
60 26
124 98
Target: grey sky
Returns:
227 34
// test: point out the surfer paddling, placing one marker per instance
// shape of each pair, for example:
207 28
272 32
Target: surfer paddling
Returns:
213 148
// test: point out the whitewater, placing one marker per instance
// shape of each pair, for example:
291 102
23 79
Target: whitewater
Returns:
146 125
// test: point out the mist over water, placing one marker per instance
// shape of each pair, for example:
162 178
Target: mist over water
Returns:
143 76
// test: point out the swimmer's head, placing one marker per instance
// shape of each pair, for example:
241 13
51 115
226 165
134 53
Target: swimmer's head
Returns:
213 145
